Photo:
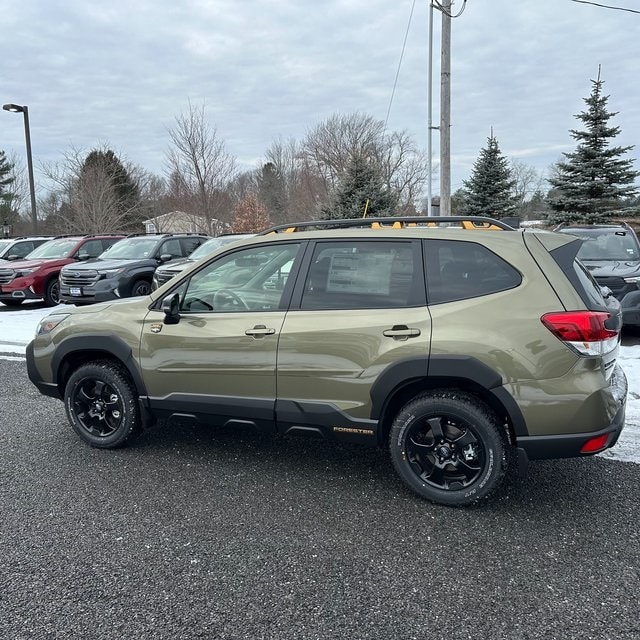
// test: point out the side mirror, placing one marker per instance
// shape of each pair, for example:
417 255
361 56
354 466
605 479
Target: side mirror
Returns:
165 257
171 308
13 256
83 256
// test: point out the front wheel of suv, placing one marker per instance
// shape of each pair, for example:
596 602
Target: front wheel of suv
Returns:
448 447
140 288
52 293
102 405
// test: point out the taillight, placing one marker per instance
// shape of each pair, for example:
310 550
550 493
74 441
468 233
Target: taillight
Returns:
585 331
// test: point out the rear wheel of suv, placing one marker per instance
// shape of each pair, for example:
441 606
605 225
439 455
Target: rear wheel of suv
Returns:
102 405
52 293
448 447
141 288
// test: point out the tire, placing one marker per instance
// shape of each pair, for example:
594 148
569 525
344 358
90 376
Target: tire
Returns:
13 303
449 448
140 288
102 405
52 293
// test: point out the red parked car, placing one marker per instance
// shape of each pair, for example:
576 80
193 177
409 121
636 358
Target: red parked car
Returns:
36 276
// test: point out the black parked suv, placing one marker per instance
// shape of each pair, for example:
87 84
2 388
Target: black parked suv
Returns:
611 252
125 269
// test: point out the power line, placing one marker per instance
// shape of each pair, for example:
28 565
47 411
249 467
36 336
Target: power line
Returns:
438 5
606 6
395 82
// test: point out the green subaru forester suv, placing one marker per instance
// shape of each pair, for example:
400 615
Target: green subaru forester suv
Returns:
466 353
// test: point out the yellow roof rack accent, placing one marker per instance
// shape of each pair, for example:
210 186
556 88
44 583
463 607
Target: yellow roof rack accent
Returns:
392 222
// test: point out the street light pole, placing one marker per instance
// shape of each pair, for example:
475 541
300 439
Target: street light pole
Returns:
17 108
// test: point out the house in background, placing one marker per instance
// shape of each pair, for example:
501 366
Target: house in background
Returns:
181 222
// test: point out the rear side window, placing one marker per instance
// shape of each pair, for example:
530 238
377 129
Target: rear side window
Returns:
189 245
363 275
460 270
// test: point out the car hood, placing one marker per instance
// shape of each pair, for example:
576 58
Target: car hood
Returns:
177 265
98 263
36 264
608 268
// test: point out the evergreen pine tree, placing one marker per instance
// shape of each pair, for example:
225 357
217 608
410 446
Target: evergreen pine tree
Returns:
6 180
489 190
595 182
361 190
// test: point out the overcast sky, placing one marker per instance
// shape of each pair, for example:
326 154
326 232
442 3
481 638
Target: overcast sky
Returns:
118 73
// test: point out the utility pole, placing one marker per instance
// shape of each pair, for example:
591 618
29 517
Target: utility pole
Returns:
430 116
445 110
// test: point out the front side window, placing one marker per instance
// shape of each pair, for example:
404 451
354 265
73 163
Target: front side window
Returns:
250 279
171 248
362 275
460 270
90 249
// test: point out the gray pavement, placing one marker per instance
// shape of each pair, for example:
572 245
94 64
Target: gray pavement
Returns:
197 533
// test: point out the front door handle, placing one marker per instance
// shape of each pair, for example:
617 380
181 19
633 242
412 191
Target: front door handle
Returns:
259 331
401 332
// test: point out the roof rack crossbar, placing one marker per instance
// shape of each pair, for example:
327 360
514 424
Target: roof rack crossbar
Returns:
479 222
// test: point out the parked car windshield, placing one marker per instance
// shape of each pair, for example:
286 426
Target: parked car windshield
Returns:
606 244
53 249
214 244
131 249
4 245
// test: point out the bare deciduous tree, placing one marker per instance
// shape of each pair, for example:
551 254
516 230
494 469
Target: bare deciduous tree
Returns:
200 169
88 198
330 147
527 181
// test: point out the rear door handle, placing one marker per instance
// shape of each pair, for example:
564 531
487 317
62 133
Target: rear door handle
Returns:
259 330
401 332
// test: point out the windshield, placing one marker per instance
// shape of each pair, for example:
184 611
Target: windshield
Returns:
131 249
54 249
4 245
606 244
213 245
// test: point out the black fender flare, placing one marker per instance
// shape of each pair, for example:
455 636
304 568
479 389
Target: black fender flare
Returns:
410 370
106 343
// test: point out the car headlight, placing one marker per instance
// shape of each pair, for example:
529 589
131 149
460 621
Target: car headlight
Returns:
48 324
23 272
109 273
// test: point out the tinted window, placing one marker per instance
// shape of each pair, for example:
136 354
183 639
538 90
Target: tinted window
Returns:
171 247
107 242
460 270
190 244
363 275
91 248
21 249
590 287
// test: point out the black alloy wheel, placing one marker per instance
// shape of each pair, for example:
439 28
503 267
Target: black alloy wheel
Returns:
52 293
448 447
101 405
140 288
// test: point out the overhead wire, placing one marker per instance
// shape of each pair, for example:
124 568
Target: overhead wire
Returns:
395 82
440 7
606 6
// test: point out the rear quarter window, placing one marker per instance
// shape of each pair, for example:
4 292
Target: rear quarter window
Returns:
458 270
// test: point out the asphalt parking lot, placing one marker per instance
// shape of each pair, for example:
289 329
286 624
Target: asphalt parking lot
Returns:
196 533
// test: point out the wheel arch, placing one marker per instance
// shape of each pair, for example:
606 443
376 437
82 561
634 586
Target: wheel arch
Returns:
78 350
405 379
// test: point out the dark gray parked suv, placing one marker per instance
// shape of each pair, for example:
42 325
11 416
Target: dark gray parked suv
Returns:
611 252
126 268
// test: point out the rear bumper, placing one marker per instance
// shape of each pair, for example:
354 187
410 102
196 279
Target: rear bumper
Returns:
569 445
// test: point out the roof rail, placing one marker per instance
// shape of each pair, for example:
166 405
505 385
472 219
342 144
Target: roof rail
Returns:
393 222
